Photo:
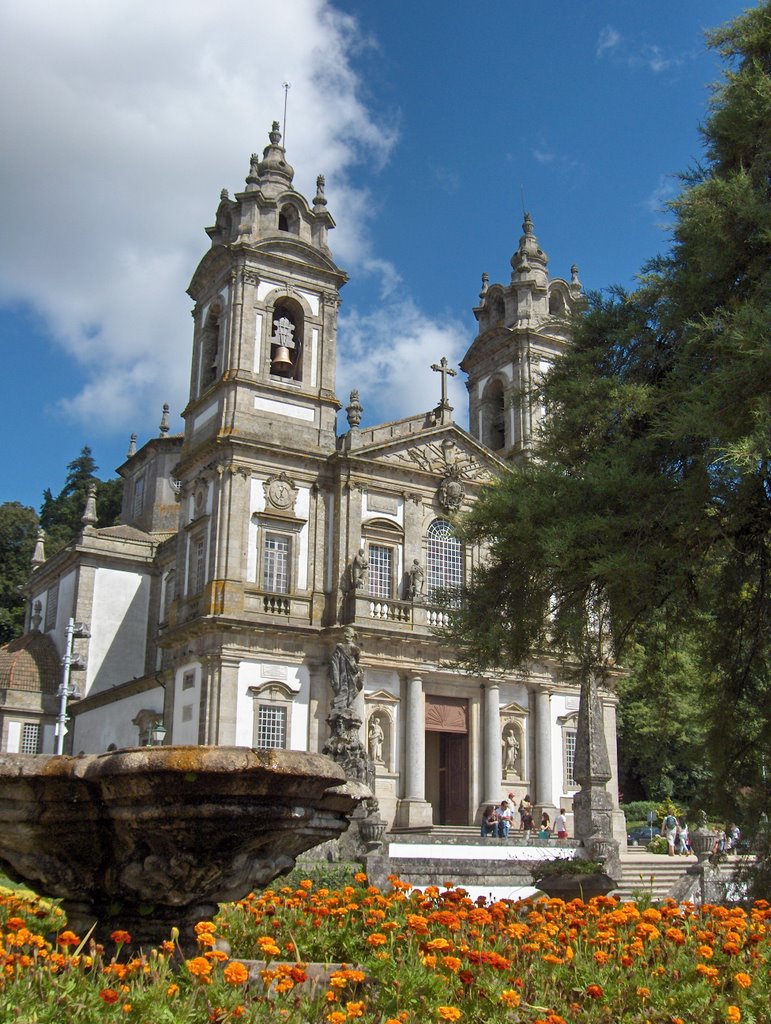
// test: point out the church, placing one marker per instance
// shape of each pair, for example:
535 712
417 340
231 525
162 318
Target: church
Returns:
260 539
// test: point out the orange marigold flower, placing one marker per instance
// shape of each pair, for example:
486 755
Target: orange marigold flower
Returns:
172 990
377 939
448 1012
199 967
205 926
127 1008
109 995
354 1009
510 997
452 963
306 884
706 951
336 1017
235 973
733 1014
742 980
594 991
121 937
643 992
438 944
360 877
601 957
675 935
730 948
68 939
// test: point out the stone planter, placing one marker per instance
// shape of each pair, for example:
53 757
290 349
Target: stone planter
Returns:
576 887
703 843
155 837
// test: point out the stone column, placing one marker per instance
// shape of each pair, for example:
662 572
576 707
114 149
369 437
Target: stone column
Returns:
415 741
492 744
413 810
543 796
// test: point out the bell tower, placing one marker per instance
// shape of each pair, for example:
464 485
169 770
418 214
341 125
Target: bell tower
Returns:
266 299
523 328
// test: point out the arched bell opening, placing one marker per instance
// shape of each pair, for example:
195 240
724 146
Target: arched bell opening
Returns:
494 416
286 343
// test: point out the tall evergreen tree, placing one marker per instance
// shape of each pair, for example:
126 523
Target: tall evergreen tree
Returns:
649 499
61 516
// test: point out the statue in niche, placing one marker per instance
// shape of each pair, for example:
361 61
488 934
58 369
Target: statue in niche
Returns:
376 737
359 567
417 580
346 676
511 751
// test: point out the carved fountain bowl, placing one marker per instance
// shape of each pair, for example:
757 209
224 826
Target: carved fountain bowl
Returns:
154 837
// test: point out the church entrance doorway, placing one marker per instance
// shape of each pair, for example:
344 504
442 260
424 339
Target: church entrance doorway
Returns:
447 759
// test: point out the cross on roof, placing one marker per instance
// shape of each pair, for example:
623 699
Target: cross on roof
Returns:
443 367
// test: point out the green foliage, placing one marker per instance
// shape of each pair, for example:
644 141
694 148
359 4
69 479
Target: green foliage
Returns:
61 516
657 845
18 533
637 810
565 866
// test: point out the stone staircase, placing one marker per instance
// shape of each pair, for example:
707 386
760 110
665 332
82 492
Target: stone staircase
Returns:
500 867
650 874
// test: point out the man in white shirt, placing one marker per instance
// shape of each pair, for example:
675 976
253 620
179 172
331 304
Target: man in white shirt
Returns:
503 815
561 825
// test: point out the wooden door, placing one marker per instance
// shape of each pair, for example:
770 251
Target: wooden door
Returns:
453 778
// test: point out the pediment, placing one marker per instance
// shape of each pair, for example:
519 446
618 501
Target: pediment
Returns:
439 451
514 709
380 697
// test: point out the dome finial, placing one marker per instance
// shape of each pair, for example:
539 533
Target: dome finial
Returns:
89 516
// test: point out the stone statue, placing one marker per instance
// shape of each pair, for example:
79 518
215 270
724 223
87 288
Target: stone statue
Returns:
376 737
346 676
359 567
417 580
510 751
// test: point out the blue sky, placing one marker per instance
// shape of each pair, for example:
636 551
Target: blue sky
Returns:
431 122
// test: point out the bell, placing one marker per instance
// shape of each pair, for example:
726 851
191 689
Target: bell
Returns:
281 361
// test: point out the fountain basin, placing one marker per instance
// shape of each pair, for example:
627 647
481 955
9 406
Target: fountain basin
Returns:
154 837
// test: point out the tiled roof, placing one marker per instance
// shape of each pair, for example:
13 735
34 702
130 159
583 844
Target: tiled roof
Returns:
30 662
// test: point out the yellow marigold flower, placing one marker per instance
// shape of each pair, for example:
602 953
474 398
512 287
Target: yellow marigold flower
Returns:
439 944
448 1012
733 1014
235 973
510 997
205 926
742 980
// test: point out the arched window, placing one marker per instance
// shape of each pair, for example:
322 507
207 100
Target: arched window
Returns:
210 349
444 558
493 416
286 343
289 219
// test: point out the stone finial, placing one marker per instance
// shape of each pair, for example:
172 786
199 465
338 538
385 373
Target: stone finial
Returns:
132 448
224 194
253 177
527 225
37 616
354 410
319 200
164 425
575 284
275 135
89 516
39 554
485 282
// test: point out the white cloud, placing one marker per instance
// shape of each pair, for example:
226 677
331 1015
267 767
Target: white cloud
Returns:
608 39
374 349
127 118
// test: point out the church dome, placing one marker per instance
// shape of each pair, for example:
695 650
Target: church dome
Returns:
31 662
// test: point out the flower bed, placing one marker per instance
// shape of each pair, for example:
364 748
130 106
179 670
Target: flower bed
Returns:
397 958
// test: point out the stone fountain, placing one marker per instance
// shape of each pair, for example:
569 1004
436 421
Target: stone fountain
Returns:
154 837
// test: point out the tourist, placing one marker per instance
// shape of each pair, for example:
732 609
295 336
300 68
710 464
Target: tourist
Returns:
503 817
561 824
527 814
669 831
489 822
545 830
683 844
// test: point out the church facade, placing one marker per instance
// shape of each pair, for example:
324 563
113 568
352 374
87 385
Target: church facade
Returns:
254 544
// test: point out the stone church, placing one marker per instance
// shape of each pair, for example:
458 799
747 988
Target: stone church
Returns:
252 544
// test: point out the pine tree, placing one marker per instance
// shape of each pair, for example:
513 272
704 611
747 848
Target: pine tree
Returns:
18 533
61 516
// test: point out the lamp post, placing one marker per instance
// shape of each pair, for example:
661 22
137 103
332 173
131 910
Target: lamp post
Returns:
66 690
157 734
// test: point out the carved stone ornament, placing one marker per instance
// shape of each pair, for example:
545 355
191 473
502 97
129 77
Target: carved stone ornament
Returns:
280 492
451 491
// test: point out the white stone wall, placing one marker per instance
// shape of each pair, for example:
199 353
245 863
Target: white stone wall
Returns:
94 731
116 651
187 705
294 678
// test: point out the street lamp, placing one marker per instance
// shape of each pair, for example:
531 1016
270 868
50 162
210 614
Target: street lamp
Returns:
66 691
157 734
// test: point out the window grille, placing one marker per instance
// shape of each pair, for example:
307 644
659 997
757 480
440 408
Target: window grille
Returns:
197 568
139 495
271 727
444 558
275 568
30 738
570 757
52 605
381 559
